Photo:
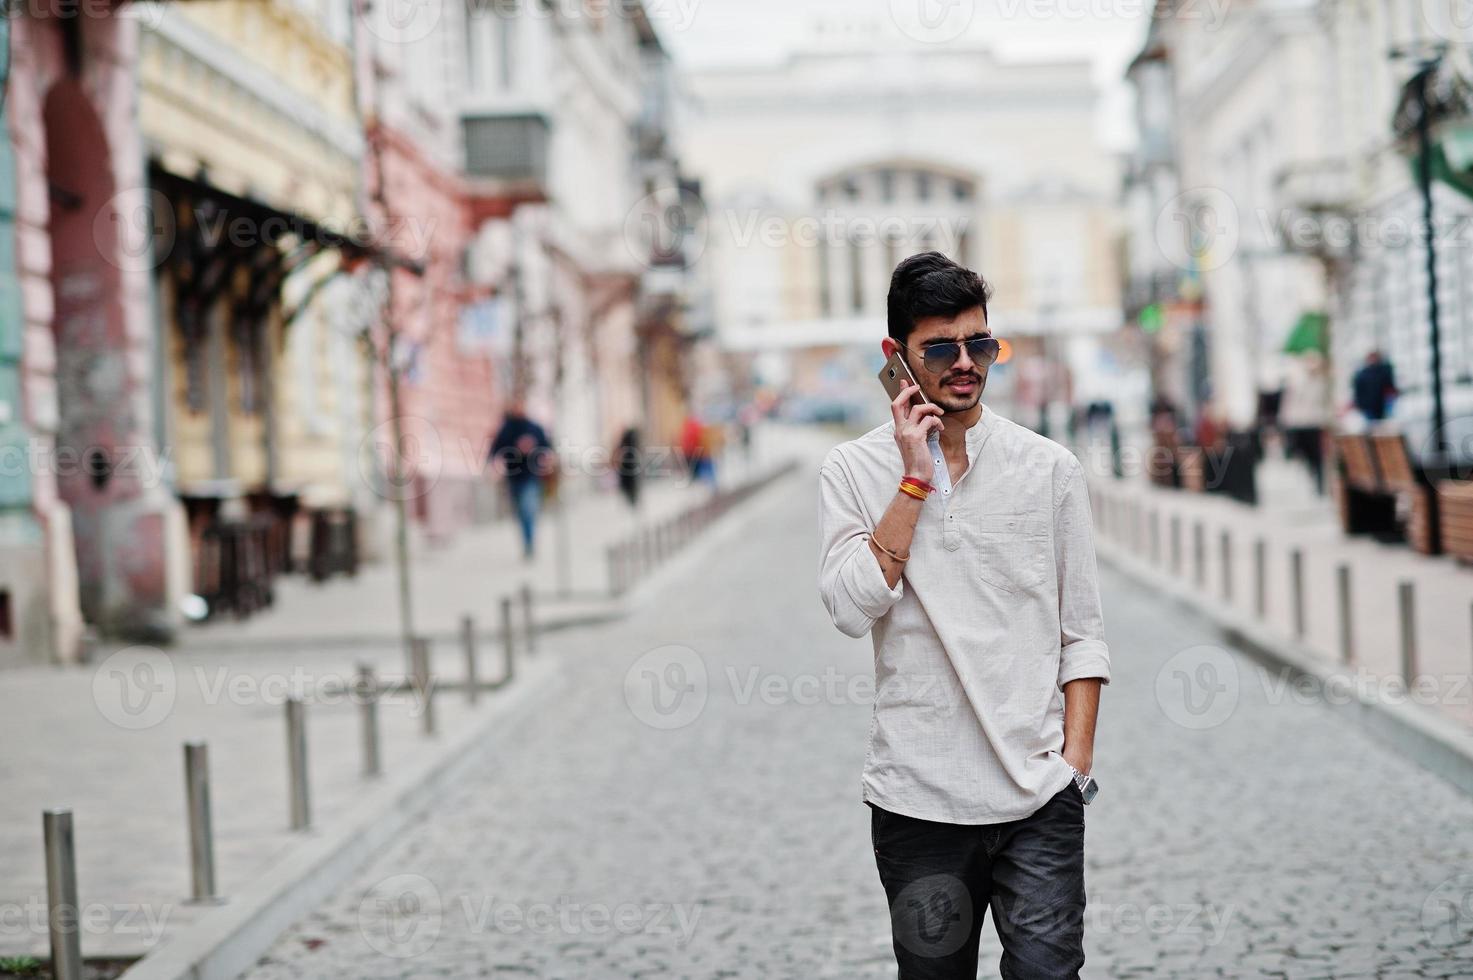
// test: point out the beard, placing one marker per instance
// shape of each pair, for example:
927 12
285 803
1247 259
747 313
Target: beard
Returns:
952 402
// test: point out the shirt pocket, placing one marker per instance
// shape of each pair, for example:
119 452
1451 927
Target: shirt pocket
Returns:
1012 552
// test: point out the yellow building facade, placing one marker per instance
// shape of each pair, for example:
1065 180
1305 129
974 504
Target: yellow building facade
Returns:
248 113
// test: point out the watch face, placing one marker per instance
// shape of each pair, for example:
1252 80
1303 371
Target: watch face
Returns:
1089 789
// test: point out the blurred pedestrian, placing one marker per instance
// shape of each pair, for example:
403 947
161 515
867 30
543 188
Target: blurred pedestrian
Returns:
690 445
628 463
1373 388
1165 439
713 441
1305 414
523 454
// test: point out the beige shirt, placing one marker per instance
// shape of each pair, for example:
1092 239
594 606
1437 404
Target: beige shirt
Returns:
998 608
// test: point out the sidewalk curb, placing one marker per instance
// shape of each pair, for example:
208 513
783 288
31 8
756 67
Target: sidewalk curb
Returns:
1433 742
230 939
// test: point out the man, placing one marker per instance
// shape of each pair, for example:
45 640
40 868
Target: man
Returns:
1373 387
523 453
980 595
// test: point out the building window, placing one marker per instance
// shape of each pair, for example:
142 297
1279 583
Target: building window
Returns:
961 191
887 185
923 186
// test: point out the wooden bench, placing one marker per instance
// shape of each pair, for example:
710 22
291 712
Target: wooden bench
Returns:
1412 488
1367 505
1455 505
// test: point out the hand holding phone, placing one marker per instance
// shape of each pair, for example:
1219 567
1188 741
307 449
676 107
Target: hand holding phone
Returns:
917 419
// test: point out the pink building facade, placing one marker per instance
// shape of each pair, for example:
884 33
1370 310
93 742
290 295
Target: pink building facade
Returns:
99 538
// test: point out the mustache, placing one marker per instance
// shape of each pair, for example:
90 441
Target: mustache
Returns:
960 375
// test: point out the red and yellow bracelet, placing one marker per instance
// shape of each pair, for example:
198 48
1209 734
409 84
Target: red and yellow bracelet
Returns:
916 487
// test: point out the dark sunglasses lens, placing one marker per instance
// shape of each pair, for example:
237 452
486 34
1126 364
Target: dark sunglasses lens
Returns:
939 357
984 349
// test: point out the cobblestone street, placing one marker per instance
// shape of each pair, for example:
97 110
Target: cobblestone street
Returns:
690 808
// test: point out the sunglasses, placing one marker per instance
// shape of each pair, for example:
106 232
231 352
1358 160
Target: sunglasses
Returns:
939 357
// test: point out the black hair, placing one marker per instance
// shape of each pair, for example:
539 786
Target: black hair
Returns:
930 284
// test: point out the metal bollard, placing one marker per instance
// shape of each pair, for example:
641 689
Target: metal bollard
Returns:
1199 554
62 913
508 640
1342 590
201 828
368 713
1260 577
1155 537
529 622
1175 544
296 758
468 645
1407 608
1296 589
1225 551
424 684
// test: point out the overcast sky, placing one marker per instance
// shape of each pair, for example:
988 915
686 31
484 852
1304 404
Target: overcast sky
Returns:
708 33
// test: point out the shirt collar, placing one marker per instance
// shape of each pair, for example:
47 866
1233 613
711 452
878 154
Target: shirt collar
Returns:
979 432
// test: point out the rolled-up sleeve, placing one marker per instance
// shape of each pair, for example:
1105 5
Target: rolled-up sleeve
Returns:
849 578
1082 649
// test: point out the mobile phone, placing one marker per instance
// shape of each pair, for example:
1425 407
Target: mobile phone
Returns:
895 376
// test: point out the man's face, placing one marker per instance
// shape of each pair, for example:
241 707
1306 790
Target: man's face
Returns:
957 388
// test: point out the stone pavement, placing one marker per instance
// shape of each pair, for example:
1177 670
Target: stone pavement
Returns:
691 809
1289 519
106 739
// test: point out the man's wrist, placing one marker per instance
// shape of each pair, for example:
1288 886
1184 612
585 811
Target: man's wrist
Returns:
1079 763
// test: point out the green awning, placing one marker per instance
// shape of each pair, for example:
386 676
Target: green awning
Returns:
1311 333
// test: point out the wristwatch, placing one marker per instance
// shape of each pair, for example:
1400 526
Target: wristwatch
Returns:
1088 788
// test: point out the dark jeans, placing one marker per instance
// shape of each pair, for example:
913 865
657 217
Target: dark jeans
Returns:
940 879
1308 445
526 498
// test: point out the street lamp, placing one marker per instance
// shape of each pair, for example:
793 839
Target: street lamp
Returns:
1428 59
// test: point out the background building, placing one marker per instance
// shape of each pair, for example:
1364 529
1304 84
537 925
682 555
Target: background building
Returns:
1295 211
823 172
